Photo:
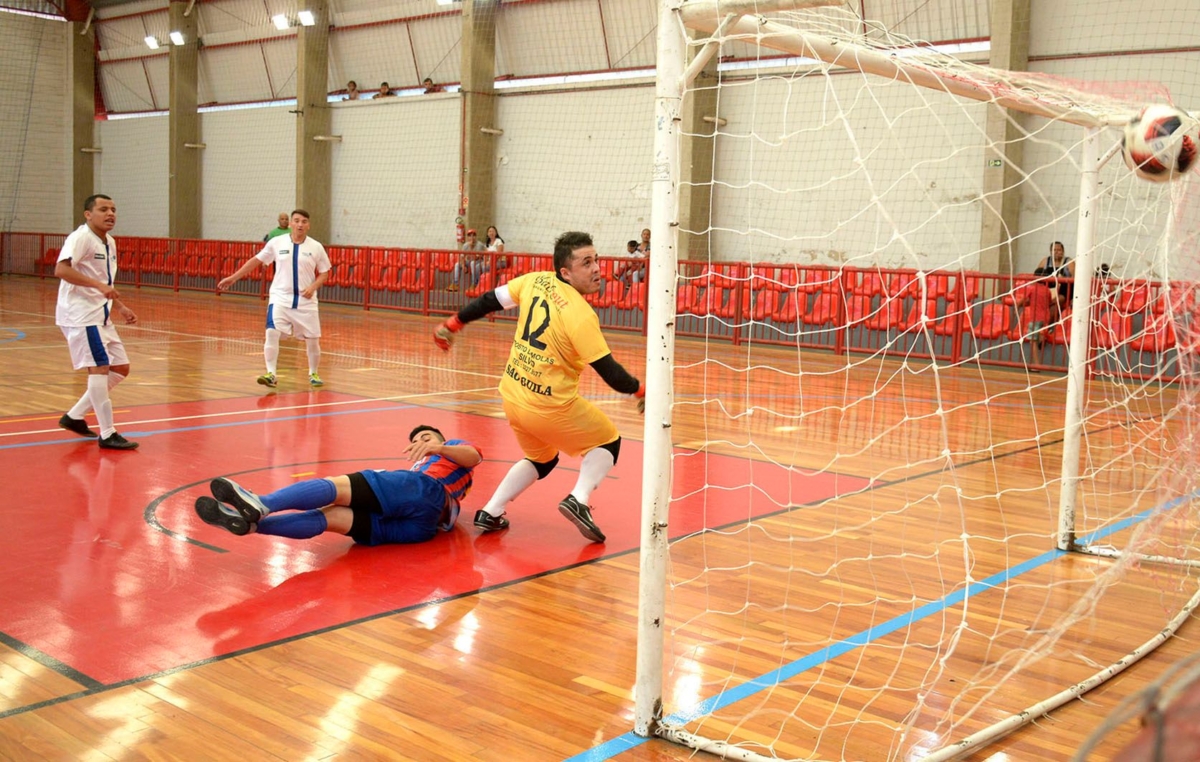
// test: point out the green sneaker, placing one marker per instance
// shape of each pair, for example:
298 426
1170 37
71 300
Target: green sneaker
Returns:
315 380
268 379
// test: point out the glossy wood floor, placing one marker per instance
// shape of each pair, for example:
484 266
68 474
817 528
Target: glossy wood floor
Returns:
932 488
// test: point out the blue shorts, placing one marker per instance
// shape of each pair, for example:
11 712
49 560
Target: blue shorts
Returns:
411 504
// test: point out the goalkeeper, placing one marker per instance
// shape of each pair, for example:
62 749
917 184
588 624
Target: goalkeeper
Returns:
557 334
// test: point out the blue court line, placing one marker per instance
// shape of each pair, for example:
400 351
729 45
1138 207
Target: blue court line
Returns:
228 424
19 335
626 741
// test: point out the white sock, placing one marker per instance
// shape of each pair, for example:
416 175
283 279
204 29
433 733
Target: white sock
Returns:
517 480
271 350
98 392
84 404
596 465
313 347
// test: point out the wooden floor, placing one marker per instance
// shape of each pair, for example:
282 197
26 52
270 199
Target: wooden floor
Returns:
897 578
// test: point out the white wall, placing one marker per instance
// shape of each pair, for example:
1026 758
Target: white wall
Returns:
248 171
847 169
395 173
133 170
574 161
34 128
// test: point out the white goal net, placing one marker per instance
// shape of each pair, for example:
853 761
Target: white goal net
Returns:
946 485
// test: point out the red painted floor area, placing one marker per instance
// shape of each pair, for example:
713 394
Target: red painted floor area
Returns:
108 570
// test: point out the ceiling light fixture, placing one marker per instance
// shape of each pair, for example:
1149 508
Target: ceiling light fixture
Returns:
177 38
281 21
152 42
306 18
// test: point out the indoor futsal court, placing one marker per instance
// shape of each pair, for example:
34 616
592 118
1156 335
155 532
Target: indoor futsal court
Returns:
132 628
909 291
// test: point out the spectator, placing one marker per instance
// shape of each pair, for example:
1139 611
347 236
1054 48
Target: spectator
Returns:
633 269
384 91
1058 266
473 263
352 91
427 83
644 246
280 229
495 243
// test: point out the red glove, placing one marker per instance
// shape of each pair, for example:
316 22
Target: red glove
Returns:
640 396
443 335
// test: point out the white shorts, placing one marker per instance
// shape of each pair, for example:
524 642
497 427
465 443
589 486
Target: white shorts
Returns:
297 323
94 346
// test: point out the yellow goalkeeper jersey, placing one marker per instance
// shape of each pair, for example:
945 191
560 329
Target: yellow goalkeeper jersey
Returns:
558 333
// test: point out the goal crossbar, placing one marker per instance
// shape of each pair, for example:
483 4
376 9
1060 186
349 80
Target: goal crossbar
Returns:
918 66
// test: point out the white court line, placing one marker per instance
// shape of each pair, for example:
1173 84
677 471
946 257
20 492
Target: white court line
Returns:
204 416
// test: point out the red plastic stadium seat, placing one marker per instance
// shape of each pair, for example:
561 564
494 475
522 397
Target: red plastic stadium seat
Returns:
634 298
824 309
1159 332
995 321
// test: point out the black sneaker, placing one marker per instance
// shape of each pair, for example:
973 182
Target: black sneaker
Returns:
241 499
117 442
76 426
489 523
581 516
212 512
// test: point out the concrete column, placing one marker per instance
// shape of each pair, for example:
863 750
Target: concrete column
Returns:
478 200
81 70
1001 219
183 206
314 154
696 159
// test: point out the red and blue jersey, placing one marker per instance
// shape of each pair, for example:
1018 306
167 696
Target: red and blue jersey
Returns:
455 479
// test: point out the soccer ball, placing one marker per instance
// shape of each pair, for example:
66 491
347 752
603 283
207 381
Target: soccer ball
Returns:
1160 144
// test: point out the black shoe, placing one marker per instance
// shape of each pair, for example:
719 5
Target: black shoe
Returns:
117 442
241 499
76 426
581 516
489 523
212 512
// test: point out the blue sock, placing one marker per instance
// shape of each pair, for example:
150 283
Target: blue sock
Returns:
298 526
301 496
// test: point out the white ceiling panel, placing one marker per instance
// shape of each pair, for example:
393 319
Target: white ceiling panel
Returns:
630 31
280 58
123 36
371 55
234 75
534 43
932 20
125 87
435 44
158 71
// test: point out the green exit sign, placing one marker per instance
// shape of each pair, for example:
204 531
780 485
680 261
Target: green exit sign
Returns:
995 162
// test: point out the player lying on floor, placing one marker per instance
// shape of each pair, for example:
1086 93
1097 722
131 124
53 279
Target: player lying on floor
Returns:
372 507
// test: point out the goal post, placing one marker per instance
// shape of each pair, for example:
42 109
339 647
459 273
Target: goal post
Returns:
1113 218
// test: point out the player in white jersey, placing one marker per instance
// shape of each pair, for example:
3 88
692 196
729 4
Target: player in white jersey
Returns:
301 267
87 269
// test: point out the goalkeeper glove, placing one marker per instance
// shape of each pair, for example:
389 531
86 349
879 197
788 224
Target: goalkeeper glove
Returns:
443 335
640 396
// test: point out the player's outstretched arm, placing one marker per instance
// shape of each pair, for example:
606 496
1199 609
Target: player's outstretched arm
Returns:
250 265
621 380
445 334
463 455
